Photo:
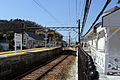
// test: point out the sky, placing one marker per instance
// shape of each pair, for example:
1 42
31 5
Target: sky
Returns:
52 12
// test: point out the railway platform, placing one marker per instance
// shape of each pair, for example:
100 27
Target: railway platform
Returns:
13 64
13 53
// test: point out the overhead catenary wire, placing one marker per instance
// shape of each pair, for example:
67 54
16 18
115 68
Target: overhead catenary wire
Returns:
105 6
50 14
74 36
69 12
76 9
81 8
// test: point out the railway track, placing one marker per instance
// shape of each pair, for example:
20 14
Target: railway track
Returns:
39 73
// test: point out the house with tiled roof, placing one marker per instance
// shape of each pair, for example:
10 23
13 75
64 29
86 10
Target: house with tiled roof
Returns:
32 40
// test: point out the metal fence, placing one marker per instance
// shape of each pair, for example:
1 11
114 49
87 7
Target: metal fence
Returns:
86 66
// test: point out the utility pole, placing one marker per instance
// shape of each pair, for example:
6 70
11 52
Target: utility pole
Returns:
79 60
69 39
79 31
23 31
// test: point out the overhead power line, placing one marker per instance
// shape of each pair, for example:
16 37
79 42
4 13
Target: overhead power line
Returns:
76 9
69 12
118 1
82 8
86 11
105 6
42 7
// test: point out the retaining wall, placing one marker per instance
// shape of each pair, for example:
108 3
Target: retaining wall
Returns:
15 65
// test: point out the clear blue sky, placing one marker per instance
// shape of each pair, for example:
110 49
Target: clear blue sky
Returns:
65 15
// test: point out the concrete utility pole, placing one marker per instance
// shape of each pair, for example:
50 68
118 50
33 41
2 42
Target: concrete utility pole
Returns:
79 31
79 60
69 39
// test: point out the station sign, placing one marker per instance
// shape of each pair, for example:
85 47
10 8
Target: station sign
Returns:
18 41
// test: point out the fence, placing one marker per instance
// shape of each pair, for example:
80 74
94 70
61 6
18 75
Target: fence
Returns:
86 67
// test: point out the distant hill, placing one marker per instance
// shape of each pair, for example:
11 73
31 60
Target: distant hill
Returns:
16 25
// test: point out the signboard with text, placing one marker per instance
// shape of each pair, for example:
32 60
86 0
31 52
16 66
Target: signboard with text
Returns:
18 41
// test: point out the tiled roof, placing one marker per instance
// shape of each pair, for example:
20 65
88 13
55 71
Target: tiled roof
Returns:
35 36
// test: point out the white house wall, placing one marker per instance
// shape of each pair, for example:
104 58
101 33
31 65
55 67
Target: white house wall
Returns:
107 48
101 44
114 45
94 43
90 42
93 49
112 20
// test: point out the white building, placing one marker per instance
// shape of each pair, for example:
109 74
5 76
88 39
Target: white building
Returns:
31 40
105 43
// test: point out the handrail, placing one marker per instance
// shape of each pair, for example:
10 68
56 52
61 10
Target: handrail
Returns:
87 67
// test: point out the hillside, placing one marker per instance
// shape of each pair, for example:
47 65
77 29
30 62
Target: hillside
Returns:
16 25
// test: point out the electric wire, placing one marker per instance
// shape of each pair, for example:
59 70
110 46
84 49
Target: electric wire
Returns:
74 36
79 8
76 10
42 7
69 10
86 11
105 6
82 9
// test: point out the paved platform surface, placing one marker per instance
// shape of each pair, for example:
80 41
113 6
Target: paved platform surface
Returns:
106 77
12 53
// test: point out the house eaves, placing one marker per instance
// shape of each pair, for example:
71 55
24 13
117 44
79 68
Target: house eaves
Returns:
91 30
110 11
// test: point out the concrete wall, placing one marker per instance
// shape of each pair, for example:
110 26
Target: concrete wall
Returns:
15 65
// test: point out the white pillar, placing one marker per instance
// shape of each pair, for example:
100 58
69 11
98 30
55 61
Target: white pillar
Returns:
21 43
106 49
96 53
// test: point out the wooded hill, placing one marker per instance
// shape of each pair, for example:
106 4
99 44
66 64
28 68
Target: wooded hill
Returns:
16 25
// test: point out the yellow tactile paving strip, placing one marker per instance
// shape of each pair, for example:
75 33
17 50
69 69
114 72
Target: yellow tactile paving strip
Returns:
11 53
